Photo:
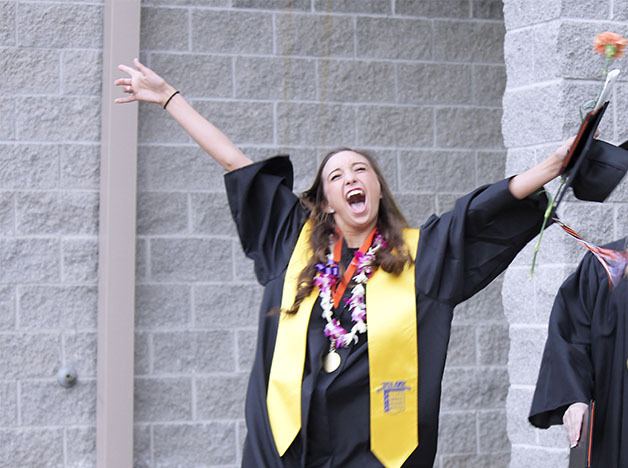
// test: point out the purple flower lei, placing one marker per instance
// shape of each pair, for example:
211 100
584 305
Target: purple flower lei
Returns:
327 276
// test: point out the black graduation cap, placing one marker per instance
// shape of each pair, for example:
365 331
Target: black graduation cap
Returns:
592 168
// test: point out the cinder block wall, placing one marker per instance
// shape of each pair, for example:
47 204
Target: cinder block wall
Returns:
551 71
419 83
50 55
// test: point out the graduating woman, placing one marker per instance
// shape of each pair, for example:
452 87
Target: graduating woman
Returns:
585 359
356 314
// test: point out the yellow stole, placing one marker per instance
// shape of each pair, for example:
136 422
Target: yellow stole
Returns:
393 357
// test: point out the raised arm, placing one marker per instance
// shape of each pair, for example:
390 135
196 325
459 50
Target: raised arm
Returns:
146 86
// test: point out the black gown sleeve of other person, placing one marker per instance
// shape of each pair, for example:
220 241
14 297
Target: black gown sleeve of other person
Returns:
586 357
459 253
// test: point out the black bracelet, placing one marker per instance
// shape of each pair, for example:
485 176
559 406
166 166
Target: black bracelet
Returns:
173 95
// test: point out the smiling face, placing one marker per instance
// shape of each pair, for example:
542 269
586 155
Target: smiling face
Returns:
352 192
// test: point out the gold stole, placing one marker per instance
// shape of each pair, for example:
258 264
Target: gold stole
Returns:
393 357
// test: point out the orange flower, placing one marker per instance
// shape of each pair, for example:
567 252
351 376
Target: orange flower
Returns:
610 45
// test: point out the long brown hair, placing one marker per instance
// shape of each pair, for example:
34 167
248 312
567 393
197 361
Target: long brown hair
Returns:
390 223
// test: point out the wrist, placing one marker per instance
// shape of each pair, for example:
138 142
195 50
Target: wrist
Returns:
167 92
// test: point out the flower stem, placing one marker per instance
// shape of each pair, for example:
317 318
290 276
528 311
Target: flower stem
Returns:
548 211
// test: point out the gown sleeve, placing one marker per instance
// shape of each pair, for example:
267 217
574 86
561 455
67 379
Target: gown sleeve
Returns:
566 374
463 250
268 215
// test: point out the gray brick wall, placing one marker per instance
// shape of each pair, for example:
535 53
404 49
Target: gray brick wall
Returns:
407 80
551 71
50 56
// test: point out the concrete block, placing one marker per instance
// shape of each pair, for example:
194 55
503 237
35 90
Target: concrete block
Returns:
142 456
226 307
574 95
555 436
433 8
547 284
62 26
7 307
493 460
79 166
41 66
7 23
141 259
466 41
59 119
484 306
241 436
587 9
394 38
211 215
162 306
521 13
533 115
196 75
457 432
314 36
461 351
157 126
79 259
435 83
620 10
526 456
520 431
547 37
292 5
29 166
194 352
518 160
81 72
493 345
163 399
388 163
191 260
256 126
142 354
195 444
162 213
164 29
284 78
177 168
445 202
229 32
621 221
395 126
489 83
27 448
487 9
492 435
469 128
57 213
221 397
29 260
525 354
80 351
356 81
8 404
490 166
375 7
519 61
437 171
46 403
416 208
7 117
315 124
57 307
246 342
467 388
201 3
81 446
243 269
7 213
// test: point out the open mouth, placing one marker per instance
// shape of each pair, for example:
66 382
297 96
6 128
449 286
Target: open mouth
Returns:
357 200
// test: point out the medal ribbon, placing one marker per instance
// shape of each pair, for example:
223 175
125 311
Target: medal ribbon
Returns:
346 278
393 357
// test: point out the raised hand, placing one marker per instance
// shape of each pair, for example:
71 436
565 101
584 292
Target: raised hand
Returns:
143 85
572 420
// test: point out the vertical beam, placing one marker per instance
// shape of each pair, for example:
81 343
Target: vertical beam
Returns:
116 275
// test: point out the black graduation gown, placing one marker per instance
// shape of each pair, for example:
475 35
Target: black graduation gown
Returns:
586 357
458 254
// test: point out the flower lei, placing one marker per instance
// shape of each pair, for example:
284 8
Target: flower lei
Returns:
327 276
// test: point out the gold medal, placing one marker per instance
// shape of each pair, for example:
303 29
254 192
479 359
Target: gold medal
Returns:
331 362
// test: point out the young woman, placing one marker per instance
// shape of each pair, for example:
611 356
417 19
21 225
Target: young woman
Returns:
357 308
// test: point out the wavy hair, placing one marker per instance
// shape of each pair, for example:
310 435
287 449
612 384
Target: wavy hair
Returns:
390 224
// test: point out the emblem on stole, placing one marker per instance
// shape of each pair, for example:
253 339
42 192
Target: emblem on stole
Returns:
394 396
